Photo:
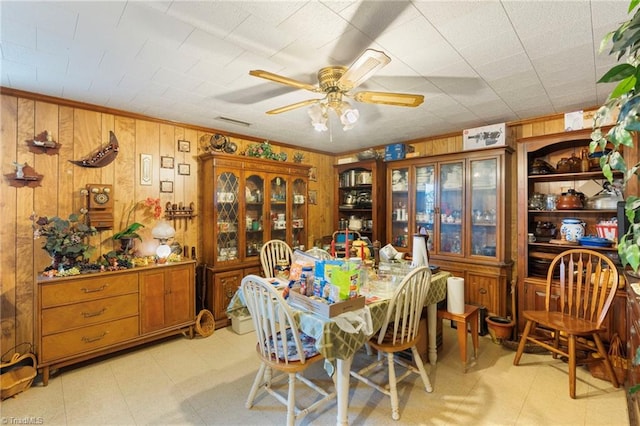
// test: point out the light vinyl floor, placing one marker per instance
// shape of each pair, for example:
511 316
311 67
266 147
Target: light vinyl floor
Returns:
205 381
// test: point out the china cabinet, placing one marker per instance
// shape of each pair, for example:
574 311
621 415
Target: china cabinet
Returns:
462 202
359 198
84 316
549 227
246 201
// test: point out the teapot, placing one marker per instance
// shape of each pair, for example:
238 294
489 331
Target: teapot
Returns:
350 198
570 200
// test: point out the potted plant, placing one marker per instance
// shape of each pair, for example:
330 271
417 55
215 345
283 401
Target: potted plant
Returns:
625 97
65 238
129 234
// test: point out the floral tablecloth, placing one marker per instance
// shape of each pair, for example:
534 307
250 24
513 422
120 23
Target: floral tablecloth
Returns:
332 341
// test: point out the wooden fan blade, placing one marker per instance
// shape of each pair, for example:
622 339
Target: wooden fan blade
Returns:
293 106
283 80
387 98
364 67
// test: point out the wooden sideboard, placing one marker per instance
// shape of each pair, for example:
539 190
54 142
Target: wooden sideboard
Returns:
84 316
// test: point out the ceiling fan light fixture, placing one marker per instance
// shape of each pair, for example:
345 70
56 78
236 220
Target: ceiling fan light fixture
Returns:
317 113
349 116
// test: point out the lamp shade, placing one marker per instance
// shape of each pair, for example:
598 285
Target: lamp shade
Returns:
163 231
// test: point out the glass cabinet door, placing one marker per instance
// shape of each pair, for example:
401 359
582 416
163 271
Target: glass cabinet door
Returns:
299 212
254 214
484 205
278 208
451 208
398 234
227 216
425 202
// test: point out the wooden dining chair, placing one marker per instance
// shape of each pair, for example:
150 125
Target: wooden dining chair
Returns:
581 285
399 332
271 252
281 346
319 253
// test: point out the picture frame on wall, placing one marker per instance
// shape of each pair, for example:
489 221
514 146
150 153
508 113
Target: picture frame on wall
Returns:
313 174
146 166
184 146
313 196
166 162
166 186
184 169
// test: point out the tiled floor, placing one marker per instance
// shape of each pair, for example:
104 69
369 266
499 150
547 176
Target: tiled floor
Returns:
206 381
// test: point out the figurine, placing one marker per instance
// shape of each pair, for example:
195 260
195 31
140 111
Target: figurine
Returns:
19 169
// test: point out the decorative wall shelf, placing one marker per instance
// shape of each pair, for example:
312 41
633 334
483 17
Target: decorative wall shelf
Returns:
44 144
30 178
173 211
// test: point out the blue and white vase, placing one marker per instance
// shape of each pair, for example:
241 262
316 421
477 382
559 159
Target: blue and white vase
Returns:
572 229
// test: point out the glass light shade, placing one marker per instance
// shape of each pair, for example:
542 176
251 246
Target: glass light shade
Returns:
349 116
163 231
163 251
318 117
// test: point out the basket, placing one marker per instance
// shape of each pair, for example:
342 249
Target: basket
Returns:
16 375
618 360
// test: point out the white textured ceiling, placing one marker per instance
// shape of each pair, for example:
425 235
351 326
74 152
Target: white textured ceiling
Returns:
476 62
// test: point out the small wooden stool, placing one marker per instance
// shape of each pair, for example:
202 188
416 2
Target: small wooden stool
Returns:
470 316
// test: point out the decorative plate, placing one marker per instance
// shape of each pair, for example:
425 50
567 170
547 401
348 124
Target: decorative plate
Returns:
595 242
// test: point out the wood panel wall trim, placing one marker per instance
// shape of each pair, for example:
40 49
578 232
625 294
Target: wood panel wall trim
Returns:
113 111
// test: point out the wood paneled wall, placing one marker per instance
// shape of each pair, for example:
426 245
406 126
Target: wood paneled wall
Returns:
81 131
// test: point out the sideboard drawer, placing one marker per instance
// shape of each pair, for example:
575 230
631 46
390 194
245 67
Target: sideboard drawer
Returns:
85 339
82 314
88 289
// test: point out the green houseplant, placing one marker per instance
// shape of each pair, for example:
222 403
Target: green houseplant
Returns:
625 42
65 238
625 97
130 231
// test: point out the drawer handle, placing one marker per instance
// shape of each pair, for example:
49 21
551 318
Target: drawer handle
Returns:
94 339
94 290
93 314
483 291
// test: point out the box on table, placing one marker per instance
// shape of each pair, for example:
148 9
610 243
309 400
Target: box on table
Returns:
325 309
242 324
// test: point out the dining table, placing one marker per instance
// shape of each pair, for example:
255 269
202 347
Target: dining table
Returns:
339 338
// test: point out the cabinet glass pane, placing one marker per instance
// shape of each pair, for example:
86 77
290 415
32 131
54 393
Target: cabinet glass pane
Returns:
254 211
451 197
278 200
227 213
399 207
425 202
299 213
484 204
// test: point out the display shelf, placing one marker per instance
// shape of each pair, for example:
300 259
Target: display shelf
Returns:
462 203
359 193
535 257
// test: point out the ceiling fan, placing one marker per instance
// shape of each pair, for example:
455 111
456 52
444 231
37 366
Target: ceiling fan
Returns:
337 82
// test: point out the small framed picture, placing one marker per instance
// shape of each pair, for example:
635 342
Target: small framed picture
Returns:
313 196
184 146
313 174
166 186
184 169
146 166
166 162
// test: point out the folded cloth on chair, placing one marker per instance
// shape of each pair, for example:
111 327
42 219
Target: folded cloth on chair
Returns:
308 346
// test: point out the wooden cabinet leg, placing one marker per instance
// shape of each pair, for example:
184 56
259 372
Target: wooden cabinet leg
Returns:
45 376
